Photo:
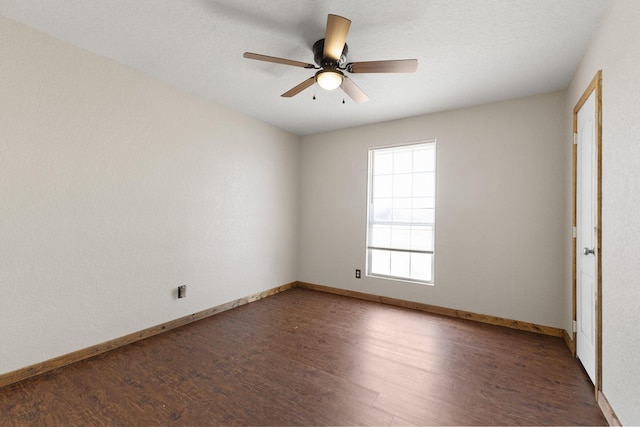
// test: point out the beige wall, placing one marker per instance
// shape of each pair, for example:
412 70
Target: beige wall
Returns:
615 50
115 189
500 216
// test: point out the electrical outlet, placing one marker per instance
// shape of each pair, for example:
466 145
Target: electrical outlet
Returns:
182 291
357 274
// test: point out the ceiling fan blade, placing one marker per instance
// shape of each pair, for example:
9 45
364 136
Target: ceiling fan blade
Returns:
335 36
299 88
392 66
353 90
257 56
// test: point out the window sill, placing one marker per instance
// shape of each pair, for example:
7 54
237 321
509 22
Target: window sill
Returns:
400 279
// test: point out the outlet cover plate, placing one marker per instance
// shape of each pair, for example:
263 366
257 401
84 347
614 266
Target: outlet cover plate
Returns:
182 291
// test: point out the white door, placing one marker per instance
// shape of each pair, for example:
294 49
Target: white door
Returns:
586 223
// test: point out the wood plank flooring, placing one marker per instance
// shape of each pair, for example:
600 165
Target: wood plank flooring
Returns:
304 357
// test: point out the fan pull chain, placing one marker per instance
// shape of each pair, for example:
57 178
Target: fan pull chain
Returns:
343 100
314 96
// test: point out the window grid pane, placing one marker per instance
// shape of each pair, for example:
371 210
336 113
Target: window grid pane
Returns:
400 235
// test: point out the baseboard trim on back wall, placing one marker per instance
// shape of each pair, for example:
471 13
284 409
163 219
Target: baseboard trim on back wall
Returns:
482 318
76 356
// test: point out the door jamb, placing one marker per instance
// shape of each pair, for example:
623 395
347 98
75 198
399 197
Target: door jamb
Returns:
595 85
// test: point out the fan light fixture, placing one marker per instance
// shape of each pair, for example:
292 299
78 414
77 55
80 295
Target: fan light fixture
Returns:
329 79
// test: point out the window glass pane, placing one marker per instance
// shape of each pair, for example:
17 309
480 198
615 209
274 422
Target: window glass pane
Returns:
382 186
423 184
402 185
382 210
400 237
421 267
400 264
383 162
431 158
423 209
380 262
380 236
419 160
402 210
423 202
422 238
420 185
424 215
423 159
402 161
431 182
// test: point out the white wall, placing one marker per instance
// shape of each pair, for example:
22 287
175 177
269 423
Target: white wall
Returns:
115 189
615 49
500 216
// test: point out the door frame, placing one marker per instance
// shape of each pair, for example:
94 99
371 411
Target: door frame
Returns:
594 86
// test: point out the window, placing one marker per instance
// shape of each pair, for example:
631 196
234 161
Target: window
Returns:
401 217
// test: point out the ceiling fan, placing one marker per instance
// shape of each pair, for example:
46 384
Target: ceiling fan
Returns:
330 55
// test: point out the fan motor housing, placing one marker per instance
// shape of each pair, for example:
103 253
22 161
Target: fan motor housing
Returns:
318 56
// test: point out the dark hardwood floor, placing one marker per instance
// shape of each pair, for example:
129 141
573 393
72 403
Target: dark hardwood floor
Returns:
304 357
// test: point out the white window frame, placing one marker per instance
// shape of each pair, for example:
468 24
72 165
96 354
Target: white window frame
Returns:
371 221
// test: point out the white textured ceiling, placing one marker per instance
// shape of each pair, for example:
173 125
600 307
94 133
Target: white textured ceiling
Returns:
469 52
